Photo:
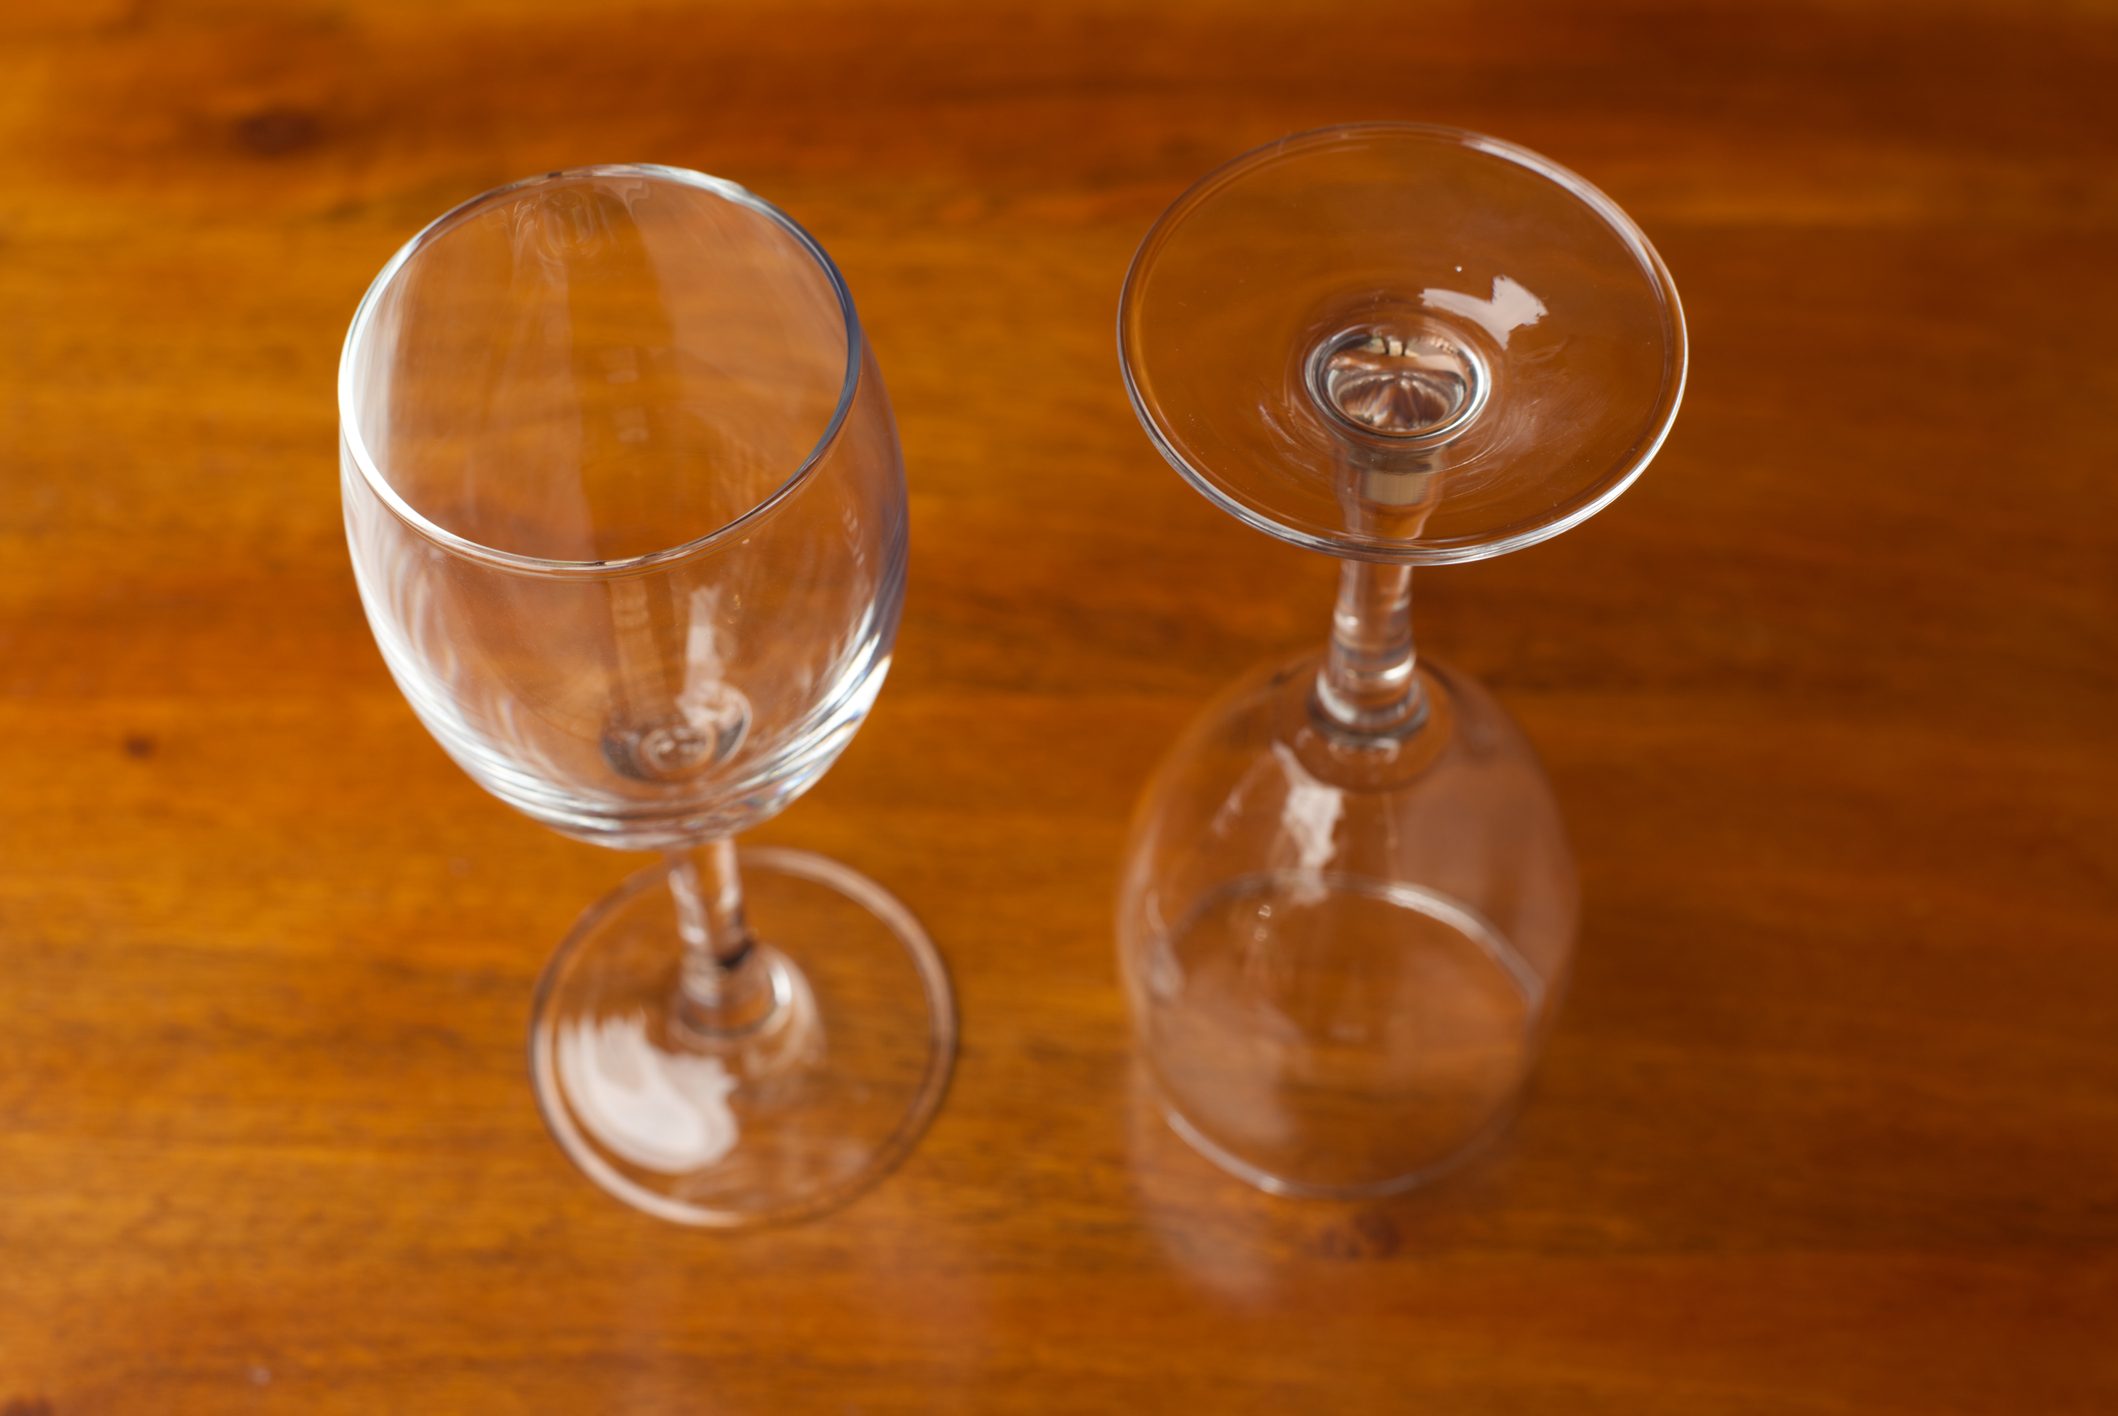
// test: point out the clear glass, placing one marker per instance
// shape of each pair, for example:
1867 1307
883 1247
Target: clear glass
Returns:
627 513
1348 905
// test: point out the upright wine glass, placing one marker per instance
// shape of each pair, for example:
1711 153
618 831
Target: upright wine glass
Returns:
627 513
1348 903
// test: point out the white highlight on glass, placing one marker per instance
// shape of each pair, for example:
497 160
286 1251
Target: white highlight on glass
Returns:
1510 307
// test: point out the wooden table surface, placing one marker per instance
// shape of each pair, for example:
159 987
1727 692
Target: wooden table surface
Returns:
1830 1121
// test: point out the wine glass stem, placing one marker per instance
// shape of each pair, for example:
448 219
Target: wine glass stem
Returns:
1369 684
725 985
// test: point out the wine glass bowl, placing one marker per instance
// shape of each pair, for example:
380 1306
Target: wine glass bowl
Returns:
1341 969
624 419
1348 905
627 513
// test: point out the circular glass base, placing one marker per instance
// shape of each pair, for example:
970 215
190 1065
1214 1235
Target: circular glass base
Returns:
781 1119
1348 324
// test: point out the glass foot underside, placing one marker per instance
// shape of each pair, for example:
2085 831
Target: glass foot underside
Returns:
1459 341
784 1119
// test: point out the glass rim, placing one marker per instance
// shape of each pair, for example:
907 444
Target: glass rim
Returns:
357 332
1352 545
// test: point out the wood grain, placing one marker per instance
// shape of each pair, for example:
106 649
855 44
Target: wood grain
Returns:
1830 1123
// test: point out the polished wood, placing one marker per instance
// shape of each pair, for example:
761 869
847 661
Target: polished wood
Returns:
1830 1121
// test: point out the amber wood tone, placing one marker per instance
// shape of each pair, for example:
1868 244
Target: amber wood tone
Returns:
1830 1121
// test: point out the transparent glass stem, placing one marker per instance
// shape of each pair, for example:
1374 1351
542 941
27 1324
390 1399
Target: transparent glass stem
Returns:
1369 684
725 986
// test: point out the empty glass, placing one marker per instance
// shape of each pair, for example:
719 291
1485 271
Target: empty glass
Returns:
627 512
1348 903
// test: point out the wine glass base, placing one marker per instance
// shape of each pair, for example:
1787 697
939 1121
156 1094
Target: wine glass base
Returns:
781 1120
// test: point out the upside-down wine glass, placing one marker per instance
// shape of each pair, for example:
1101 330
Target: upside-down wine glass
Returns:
627 513
1348 902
